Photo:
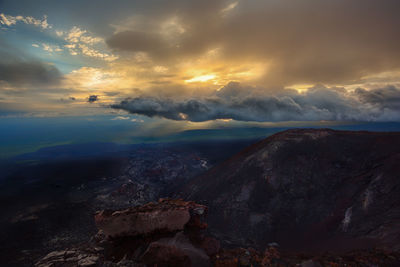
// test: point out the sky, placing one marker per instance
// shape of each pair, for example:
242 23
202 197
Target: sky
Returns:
185 62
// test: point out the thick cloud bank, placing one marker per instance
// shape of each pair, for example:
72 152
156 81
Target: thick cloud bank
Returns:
244 104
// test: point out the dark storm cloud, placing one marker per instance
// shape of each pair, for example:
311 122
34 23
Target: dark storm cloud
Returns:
388 97
93 98
318 103
308 41
193 109
18 68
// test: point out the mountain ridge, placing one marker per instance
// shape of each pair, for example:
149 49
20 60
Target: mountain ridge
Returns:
301 183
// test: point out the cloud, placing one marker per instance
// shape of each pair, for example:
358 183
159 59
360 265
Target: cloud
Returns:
388 97
51 48
229 8
136 41
79 41
178 52
93 98
18 68
8 20
120 118
33 72
318 103
307 41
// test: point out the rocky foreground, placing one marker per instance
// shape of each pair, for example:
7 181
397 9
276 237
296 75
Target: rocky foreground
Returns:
284 201
167 233
174 233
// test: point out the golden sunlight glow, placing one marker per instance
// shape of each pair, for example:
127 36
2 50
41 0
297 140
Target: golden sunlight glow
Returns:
183 116
229 7
158 55
202 78
300 87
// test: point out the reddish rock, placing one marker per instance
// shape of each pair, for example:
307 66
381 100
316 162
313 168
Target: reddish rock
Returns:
166 233
176 251
164 255
227 263
270 255
237 257
165 216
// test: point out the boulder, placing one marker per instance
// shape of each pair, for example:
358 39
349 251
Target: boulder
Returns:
165 216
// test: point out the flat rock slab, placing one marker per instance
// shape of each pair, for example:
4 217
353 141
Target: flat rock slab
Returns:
165 216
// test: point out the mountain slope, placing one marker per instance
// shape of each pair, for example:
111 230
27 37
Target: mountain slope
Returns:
307 189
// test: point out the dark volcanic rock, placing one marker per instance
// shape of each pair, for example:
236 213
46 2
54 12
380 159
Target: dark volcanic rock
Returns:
307 189
272 257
